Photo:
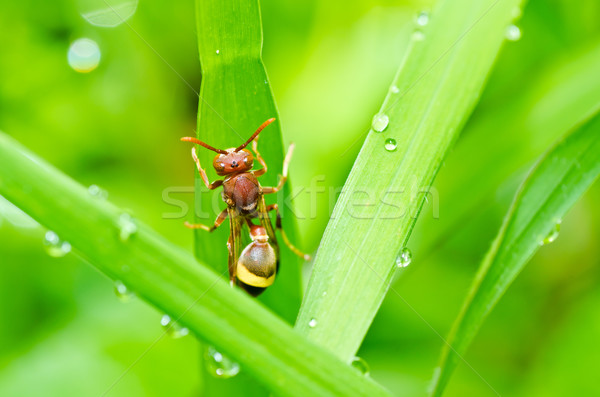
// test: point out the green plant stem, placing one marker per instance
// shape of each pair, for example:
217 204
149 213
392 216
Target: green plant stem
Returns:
173 281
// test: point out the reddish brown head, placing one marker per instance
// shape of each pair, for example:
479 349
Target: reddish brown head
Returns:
232 160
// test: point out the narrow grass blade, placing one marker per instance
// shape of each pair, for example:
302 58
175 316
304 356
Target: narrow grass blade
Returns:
235 98
560 178
432 96
172 280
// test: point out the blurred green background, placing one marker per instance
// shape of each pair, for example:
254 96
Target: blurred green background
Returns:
64 332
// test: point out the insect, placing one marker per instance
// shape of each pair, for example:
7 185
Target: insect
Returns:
255 268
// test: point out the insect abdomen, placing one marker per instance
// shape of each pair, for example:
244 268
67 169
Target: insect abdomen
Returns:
257 265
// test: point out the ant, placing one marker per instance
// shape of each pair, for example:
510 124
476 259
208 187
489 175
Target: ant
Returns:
258 264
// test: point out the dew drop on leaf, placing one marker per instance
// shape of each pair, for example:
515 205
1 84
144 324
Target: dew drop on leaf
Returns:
390 145
107 13
512 33
361 365
404 257
418 35
173 329
380 122
127 226
96 191
422 18
312 323
54 246
552 235
219 365
122 292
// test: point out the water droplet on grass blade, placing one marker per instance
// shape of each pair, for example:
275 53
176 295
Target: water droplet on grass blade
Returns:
122 292
127 226
390 145
108 13
54 246
83 55
96 191
312 323
361 365
218 52
553 235
173 329
512 33
394 89
404 257
380 122
219 365
418 35
422 18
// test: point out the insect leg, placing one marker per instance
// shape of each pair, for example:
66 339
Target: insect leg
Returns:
209 229
259 158
203 175
284 176
275 207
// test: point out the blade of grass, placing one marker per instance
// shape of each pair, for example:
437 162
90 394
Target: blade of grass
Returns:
437 87
173 281
235 99
559 179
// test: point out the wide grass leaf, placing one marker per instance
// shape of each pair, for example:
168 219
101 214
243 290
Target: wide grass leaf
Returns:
560 178
430 99
235 98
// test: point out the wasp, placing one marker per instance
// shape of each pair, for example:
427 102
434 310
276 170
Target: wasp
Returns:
253 269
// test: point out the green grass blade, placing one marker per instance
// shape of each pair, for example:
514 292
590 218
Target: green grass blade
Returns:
172 280
553 186
438 85
235 98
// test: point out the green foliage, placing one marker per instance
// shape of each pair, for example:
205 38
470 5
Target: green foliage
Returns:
235 98
560 178
435 90
169 278
330 64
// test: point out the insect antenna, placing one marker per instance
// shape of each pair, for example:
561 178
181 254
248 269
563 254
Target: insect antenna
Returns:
199 142
259 129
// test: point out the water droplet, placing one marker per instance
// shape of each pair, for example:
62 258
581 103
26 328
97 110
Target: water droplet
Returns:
108 13
361 365
390 145
422 18
218 51
553 235
512 33
127 226
418 35
394 89
380 122
122 292
172 328
83 55
96 191
324 293
312 323
404 257
219 365
55 246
